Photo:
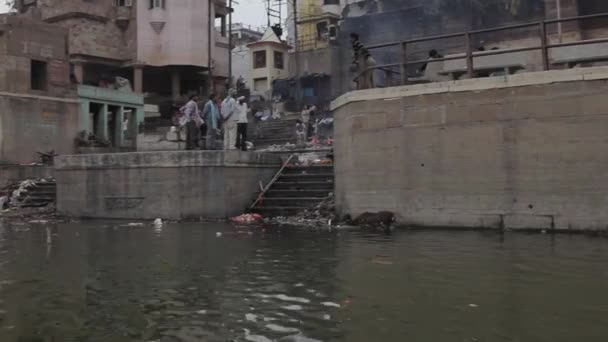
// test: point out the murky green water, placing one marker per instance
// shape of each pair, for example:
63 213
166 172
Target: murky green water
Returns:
96 282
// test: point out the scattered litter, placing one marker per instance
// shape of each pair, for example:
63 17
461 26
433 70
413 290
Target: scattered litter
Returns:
326 317
248 218
251 317
318 217
473 305
202 312
218 234
133 224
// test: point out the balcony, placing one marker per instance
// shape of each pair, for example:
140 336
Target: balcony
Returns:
112 96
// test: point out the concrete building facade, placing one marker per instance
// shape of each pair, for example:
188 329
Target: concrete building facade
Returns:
162 47
522 151
38 104
241 58
268 58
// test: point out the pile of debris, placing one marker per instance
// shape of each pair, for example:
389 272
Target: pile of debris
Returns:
321 215
29 198
85 139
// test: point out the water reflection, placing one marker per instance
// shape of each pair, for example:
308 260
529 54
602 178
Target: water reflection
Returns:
184 282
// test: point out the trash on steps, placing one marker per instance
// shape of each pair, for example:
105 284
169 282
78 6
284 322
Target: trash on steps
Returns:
248 219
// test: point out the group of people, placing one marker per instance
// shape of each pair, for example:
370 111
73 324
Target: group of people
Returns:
229 116
314 125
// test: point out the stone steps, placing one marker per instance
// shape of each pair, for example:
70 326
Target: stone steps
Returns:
41 194
297 188
273 132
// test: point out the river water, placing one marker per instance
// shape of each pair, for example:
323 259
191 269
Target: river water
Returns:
213 282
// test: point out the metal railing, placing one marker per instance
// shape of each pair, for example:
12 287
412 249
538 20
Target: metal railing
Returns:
468 36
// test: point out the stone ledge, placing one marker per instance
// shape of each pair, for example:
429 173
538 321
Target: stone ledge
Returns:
477 84
166 159
39 97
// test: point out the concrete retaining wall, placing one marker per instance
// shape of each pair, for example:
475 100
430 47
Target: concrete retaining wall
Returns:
169 185
30 124
526 151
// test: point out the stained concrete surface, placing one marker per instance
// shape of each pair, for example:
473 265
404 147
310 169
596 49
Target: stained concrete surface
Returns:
168 185
512 155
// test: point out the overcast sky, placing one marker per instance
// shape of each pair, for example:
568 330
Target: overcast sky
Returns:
252 12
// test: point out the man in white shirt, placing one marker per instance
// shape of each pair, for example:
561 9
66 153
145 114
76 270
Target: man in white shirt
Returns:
241 131
230 121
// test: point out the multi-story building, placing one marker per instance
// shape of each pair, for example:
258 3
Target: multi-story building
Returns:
167 49
318 22
268 62
244 34
38 104
241 59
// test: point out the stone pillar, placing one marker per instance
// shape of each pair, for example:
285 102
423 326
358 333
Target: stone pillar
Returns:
175 84
119 137
102 122
138 78
84 116
78 70
138 119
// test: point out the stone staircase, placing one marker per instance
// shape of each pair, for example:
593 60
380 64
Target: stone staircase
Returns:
40 194
273 132
297 188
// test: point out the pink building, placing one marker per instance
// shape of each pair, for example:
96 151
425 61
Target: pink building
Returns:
162 46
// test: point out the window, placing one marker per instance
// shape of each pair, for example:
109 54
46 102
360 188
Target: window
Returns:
279 61
123 3
157 4
38 75
322 30
220 24
259 59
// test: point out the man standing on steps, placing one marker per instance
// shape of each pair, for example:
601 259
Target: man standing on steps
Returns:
230 120
241 131
211 116
193 120
362 63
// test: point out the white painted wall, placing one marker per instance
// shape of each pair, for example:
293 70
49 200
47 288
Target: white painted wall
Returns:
241 64
183 39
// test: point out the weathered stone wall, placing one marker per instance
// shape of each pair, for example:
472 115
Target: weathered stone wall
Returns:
24 40
92 27
11 174
170 185
526 151
30 124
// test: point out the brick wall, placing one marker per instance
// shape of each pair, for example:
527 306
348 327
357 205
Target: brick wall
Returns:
93 27
26 40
